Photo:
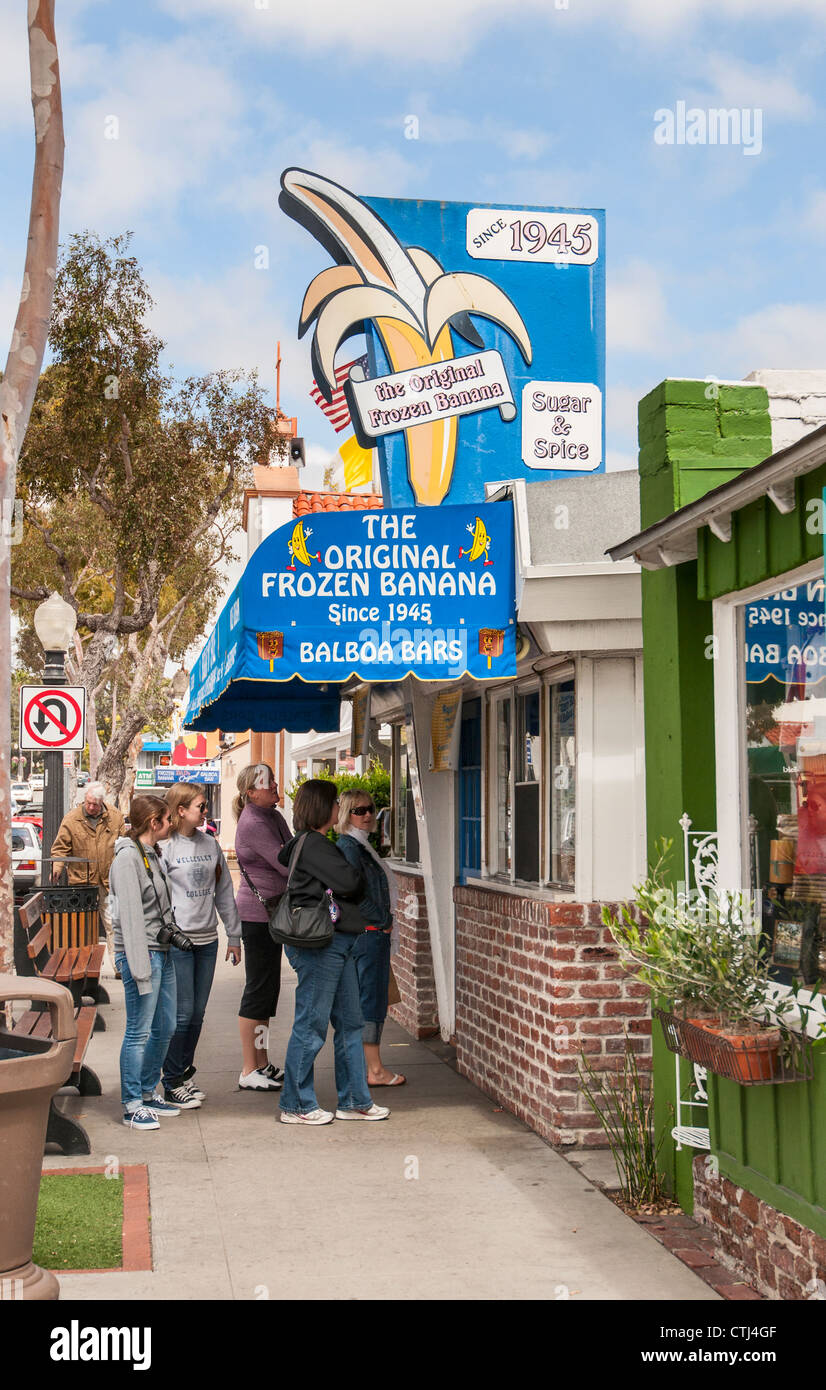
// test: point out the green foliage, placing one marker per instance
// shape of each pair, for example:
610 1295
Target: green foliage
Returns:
624 1106
701 955
376 781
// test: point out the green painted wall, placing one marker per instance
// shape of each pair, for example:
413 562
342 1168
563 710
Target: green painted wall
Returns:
772 1140
693 436
764 542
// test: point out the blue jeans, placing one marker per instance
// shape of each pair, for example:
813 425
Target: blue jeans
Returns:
194 971
150 1023
372 956
327 992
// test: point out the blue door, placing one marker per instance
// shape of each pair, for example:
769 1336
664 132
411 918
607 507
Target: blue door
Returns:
470 791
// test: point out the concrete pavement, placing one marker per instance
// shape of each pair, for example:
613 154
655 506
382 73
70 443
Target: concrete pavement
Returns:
448 1199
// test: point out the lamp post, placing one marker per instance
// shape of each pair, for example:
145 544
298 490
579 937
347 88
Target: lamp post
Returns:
54 622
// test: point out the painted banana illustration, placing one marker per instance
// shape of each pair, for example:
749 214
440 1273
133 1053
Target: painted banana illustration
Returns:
481 542
297 546
408 296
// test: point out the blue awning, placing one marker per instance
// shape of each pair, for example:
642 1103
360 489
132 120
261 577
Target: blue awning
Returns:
428 592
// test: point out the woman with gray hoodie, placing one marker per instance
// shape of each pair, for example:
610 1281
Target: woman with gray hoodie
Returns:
141 907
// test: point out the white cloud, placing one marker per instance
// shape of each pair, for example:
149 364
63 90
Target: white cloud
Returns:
161 123
443 34
741 84
814 218
636 311
790 336
617 462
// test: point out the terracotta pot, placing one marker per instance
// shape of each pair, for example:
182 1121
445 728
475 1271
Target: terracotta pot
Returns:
752 1055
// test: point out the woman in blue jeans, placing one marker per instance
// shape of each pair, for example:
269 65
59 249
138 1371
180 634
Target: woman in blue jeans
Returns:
140 906
201 890
327 990
356 822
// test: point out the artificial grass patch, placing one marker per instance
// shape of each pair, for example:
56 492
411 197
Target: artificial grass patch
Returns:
79 1222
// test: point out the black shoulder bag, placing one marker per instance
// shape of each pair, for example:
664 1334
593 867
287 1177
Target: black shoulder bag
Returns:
312 925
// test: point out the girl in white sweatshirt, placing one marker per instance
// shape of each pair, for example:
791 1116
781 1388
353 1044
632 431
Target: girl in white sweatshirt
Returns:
201 890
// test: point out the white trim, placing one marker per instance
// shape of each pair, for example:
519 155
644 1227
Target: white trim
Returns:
640 868
584 734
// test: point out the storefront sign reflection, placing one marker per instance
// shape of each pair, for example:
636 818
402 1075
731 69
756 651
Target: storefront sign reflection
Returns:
785 636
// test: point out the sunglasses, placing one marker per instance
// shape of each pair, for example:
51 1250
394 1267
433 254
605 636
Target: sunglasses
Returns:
202 805
362 810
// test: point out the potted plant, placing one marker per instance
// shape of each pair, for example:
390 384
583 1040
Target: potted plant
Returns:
704 957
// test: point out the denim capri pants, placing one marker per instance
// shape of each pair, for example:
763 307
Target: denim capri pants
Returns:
372 957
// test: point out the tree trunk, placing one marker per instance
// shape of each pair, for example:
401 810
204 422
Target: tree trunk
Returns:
112 769
19 383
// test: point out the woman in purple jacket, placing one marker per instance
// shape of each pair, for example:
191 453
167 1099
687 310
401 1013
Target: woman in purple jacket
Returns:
261 834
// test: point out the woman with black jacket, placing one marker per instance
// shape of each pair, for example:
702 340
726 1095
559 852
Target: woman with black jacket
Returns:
327 990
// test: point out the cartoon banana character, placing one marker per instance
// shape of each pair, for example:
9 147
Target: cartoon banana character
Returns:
481 542
297 546
406 293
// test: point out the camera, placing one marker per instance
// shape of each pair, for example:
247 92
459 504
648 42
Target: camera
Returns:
170 936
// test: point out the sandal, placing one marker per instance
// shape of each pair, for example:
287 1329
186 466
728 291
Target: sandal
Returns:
396 1080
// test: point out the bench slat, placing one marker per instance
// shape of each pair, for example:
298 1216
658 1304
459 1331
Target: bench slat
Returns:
85 1019
67 969
36 944
50 969
31 910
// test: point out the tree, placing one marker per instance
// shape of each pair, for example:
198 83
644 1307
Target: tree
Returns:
132 485
23 364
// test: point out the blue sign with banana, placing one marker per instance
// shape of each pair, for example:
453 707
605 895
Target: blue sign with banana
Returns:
485 328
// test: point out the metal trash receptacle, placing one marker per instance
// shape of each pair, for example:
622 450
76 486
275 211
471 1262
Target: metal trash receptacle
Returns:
32 1069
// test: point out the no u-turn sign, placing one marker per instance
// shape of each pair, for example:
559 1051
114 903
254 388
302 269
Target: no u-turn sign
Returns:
53 717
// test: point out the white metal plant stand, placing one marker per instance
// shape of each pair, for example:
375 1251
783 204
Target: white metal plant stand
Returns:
699 868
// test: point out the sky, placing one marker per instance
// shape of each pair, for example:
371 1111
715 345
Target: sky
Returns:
714 253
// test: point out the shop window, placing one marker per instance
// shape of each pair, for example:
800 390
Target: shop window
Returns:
404 829
563 784
517 759
784 656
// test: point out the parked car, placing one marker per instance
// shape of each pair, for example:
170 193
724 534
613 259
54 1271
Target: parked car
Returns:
22 792
26 855
82 778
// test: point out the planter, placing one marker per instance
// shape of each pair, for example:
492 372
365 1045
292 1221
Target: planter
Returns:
750 1059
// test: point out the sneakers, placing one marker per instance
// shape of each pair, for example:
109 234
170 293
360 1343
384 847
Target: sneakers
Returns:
140 1119
156 1105
313 1117
182 1097
274 1073
376 1112
260 1080
191 1085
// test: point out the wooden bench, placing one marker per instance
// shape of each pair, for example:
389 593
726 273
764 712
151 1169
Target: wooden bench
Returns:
73 914
65 967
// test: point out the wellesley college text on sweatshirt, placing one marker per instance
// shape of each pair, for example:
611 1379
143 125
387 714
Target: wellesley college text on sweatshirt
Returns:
199 882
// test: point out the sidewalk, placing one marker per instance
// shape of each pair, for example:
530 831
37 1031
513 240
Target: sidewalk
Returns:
246 1208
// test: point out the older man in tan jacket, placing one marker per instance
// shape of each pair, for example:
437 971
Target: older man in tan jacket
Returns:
89 833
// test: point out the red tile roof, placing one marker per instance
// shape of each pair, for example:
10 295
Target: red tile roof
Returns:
307 502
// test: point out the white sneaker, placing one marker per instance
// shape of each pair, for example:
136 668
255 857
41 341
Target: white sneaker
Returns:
313 1117
376 1112
258 1081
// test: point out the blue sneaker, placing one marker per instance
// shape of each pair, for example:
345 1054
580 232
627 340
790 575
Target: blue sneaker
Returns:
140 1119
156 1105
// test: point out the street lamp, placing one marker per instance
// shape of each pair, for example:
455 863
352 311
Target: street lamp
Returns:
55 622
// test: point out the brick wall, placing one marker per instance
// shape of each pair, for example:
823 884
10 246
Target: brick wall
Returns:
413 962
780 1257
538 983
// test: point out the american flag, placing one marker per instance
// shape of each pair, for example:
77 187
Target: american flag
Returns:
336 411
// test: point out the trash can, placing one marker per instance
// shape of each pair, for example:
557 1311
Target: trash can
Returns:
31 1071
